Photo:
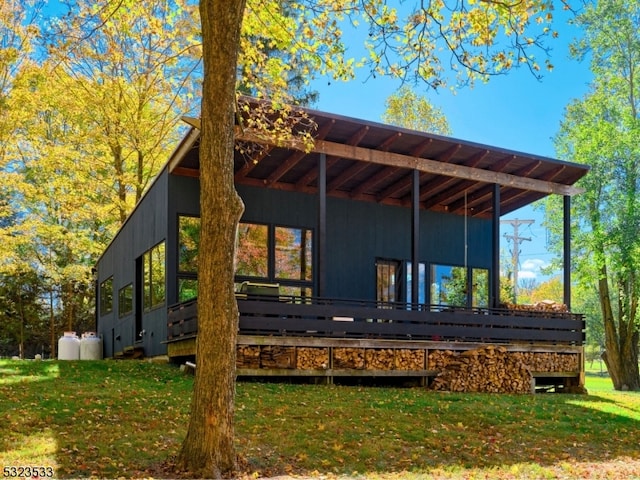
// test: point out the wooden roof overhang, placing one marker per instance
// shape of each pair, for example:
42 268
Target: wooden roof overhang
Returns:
374 162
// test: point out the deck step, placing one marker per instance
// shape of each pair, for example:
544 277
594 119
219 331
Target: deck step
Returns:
131 352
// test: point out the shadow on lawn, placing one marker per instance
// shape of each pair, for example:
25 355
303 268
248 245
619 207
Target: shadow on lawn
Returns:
91 421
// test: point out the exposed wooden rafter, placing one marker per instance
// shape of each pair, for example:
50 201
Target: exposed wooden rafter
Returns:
311 175
250 164
450 184
426 165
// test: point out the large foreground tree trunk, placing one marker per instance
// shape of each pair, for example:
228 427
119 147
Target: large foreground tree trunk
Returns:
207 451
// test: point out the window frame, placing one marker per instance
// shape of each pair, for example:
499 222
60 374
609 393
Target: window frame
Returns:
287 285
180 265
471 300
124 300
106 296
393 280
303 286
150 300
269 271
305 256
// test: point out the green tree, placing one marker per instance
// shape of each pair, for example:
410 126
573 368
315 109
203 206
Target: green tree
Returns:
135 72
405 108
18 29
402 46
551 289
90 122
22 316
602 130
59 225
267 43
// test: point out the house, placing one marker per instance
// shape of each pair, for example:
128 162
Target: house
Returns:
379 234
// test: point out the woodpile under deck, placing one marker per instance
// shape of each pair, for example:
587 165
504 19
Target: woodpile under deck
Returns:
433 362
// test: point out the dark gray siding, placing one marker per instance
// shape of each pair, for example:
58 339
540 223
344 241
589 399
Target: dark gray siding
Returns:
357 234
360 232
146 227
276 206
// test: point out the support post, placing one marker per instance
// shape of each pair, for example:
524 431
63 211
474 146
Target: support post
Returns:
415 237
495 241
566 244
322 225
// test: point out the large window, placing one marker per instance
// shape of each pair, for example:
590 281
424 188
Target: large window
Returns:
154 277
125 300
265 253
459 286
252 256
422 279
479 287
293 254
188 243
388 280
276 254
106 296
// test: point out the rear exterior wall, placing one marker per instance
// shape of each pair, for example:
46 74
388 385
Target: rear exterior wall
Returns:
358 233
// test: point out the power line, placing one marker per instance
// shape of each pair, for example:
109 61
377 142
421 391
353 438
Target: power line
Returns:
515 252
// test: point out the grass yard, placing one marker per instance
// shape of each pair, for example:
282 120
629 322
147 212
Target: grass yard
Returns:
112 419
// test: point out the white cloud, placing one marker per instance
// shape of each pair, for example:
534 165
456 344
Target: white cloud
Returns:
526 274
534 264
530 269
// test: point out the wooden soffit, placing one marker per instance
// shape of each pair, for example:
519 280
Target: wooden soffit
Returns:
373 162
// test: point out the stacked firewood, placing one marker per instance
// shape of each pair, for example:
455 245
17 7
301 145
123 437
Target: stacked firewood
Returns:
543 306
549 361
407 359
247 356
312 358
275 356
487 369
379 359
344 357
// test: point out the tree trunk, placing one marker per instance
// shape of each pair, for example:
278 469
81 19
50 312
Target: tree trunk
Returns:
208 449
621 345
623 369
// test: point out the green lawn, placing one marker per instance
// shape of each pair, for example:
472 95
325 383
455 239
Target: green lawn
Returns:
112 419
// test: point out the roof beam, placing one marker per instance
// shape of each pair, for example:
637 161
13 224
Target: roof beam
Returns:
395 188
347 175
284 167
296 156
423 165
432 166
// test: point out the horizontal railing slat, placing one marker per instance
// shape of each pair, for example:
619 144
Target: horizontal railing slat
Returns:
344 318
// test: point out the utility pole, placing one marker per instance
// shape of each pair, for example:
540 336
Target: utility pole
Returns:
515 253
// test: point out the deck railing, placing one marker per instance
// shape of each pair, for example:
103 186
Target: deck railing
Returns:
321 317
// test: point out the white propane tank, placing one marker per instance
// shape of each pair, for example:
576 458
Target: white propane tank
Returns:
90 347
69 347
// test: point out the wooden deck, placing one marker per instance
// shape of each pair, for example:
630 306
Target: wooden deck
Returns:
275 334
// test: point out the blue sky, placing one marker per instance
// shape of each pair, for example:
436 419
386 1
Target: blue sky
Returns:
515 111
